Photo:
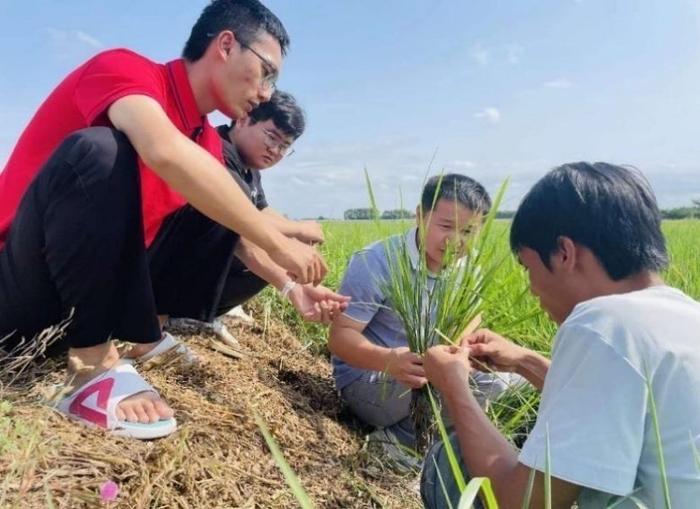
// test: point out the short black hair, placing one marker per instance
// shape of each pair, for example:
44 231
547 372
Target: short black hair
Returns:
247 19
609 209
284 111
455 187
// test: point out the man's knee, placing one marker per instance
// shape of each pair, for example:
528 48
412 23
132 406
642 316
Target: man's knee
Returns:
379 404
96 152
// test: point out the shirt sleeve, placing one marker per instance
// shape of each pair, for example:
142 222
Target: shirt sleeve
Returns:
592 413
362 282
112 75
261 199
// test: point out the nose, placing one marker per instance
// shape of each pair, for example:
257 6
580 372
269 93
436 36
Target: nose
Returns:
275 150
265 93
455 240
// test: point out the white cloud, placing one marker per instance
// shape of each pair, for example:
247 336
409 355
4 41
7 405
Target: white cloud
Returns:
481 55
72 44
491 115
559 83
87 39
73 36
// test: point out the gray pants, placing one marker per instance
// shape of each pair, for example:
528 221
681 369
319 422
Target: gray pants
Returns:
381 401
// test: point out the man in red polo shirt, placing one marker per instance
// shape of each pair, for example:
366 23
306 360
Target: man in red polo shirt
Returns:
116 148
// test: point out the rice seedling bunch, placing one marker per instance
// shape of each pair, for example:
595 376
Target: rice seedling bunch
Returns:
436 306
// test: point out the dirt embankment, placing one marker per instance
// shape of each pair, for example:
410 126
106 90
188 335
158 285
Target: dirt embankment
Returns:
217 458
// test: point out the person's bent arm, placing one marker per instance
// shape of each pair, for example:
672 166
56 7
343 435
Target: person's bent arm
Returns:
347 342
485 450
205 183
314 304
260 264
305 231
533 367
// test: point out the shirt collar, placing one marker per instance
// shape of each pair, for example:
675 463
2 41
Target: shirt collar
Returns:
231 151
183 95
412 246
411 241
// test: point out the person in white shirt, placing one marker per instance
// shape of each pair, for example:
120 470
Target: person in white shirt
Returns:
589 236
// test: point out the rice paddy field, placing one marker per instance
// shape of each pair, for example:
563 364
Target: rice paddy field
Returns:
218 457
509 299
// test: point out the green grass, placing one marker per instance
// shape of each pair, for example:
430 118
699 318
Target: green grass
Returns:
513 312
505 310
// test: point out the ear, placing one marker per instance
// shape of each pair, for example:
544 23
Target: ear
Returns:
225 42
566 255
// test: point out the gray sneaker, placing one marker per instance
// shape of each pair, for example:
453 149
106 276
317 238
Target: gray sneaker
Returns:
401 457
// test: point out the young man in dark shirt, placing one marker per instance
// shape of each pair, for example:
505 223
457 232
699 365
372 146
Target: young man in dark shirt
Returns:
235 269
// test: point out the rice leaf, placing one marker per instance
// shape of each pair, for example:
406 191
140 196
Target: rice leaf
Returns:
442 485
451 456
657 434
289 475
478 485
547 472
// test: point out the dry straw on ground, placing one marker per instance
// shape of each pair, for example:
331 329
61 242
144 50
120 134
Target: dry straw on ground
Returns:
217 458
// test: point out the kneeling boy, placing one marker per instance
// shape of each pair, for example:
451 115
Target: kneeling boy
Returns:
372 365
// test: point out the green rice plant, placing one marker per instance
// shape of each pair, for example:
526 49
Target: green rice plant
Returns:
478 486
659 445
446 302
289 475
451 455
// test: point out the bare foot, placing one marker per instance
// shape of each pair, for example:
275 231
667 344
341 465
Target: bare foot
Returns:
84 364
143 407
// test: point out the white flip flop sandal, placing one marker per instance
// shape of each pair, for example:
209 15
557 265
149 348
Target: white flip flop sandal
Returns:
95 403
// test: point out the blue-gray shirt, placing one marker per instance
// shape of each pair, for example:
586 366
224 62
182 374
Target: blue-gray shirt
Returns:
364 278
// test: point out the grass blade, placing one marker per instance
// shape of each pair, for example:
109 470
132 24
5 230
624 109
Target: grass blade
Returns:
451 456
289 475
659 446
478 485
547 473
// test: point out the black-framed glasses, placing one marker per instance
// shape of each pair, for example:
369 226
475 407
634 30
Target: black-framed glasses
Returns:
273 142
270 72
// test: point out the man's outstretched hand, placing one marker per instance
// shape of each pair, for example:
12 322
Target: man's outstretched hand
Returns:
310 232
302 262
317 303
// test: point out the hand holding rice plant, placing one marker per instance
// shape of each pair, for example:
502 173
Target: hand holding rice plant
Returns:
441 294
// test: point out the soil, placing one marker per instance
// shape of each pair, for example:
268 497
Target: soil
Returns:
218 457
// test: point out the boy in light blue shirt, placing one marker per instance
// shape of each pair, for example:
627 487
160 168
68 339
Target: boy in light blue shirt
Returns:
373 367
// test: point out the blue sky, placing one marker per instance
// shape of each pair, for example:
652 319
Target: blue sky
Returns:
493 88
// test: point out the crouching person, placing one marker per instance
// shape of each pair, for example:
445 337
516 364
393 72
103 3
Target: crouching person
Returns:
119 146
216 269
589 236
372 365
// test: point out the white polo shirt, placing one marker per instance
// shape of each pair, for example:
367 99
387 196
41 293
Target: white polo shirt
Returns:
596 408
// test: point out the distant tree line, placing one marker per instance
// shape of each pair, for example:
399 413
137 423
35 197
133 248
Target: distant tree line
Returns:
369 213
693 211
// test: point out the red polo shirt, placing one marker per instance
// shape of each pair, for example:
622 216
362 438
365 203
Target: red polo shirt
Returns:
82 100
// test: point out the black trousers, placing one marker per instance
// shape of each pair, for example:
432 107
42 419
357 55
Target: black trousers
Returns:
76 244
